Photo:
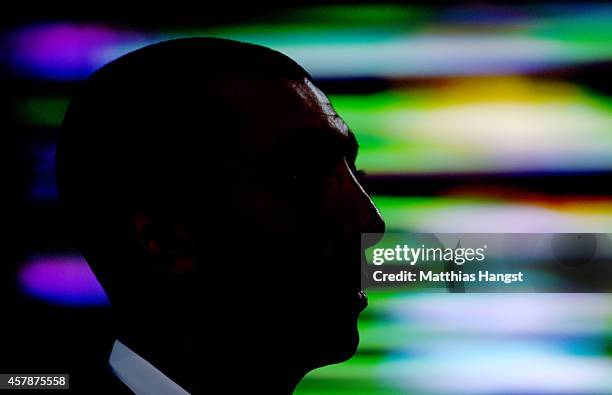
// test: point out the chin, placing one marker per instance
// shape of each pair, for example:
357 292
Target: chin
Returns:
339 345
348 349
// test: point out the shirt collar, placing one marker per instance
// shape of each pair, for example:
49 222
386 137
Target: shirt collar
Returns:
140 375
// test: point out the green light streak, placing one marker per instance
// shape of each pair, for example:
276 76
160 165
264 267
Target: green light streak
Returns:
429 130
407 213
41 111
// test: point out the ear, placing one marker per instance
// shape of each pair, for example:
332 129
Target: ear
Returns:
168 244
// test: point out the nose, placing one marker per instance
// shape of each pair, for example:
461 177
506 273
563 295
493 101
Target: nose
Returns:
356 210
372 225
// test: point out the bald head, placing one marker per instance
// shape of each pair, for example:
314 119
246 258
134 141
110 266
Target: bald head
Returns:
170 154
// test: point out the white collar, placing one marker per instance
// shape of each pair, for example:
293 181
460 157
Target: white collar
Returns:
139 375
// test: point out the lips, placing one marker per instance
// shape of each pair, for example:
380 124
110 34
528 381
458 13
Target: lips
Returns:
362 298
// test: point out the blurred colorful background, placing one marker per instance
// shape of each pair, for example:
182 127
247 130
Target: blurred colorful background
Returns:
471 118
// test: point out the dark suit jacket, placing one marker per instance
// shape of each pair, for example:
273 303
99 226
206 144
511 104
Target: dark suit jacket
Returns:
92 374
102 380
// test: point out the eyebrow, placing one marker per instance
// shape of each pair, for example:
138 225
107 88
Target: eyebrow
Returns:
353 147
324 139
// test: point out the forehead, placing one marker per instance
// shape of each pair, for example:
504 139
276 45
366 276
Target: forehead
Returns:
273 107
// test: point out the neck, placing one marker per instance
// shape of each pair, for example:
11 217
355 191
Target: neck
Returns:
270 380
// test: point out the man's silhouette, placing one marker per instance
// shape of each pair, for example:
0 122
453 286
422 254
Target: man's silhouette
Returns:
212 188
